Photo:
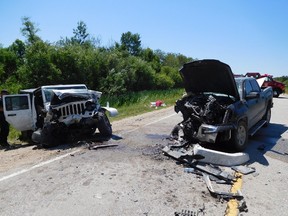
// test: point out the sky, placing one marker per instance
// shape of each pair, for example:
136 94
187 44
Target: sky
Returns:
248 35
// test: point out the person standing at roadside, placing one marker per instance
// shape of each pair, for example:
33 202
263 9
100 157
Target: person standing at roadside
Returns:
4 126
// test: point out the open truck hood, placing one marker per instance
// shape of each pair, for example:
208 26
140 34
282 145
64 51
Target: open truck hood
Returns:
208 76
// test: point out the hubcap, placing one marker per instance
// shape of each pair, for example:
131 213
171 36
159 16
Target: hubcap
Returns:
241 135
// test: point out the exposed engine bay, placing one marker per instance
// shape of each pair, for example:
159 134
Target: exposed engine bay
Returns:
202 109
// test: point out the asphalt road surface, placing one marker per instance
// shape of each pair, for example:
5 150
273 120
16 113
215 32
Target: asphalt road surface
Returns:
135 178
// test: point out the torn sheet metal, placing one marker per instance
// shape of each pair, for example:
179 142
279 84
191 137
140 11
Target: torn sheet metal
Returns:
189 158
224 195
244 169
220 158
184 156
216 172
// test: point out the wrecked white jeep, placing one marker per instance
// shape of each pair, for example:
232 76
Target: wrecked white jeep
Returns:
54 114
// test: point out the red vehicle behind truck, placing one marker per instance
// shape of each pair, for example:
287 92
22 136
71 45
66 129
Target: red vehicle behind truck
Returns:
266 80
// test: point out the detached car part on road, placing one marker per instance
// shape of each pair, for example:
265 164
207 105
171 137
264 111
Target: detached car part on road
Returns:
52 114
218 108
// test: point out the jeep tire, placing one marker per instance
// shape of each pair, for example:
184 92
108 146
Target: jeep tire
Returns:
53 134
104 125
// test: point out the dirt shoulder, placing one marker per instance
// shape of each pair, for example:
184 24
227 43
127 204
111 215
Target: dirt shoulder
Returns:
23 155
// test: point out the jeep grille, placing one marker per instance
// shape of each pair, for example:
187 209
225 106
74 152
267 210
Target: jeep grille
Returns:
71 109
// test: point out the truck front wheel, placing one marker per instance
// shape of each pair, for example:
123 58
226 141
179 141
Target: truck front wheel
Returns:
239 137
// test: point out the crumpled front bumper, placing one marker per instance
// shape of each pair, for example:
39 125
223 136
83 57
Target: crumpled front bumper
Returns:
209 133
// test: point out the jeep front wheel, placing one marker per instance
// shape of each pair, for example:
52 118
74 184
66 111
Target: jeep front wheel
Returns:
239 137
104 125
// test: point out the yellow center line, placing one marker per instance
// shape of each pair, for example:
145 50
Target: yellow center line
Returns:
233 204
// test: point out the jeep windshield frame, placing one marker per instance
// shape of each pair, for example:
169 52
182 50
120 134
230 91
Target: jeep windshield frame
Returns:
47 91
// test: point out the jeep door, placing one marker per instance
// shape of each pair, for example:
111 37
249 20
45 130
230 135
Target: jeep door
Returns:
18 111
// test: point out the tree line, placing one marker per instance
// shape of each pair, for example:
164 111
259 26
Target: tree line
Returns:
122 67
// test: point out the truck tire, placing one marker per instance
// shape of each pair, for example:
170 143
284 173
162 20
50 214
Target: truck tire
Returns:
276 93
239 137
104 125
267 117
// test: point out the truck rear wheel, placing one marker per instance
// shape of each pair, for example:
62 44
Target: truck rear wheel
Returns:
267 117
239 137
276 93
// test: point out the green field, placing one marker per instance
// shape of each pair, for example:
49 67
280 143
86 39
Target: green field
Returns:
136 103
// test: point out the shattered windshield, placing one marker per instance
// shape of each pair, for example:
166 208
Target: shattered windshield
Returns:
67 96
48 90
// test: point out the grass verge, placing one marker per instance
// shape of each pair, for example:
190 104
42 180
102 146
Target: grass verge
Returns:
136 103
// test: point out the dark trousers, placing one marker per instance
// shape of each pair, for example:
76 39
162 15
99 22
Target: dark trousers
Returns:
4 129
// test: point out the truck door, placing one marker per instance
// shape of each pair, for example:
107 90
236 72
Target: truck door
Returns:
251 105
18 111
260 102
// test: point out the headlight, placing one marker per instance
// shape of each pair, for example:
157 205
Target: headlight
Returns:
209 129
90 106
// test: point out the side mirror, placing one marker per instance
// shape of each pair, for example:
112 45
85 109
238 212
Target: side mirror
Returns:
252 95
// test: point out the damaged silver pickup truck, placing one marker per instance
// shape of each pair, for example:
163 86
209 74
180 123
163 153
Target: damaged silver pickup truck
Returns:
219 108
53 114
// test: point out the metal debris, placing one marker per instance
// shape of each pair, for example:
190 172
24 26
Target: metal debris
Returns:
199 212
101 146
189 158
224 195
244 169
243 206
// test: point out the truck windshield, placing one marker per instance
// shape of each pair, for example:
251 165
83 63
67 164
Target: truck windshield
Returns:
239 87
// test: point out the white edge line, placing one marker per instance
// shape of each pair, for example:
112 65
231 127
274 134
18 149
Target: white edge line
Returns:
63 156
37 165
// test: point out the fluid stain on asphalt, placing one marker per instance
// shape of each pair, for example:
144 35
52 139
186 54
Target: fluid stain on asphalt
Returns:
156 136
154 151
